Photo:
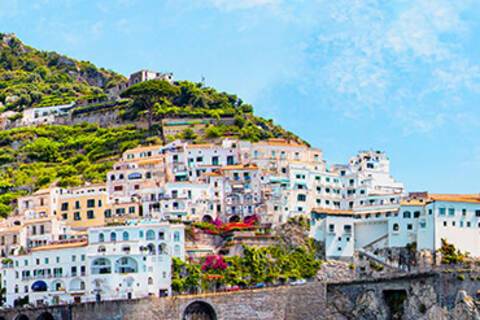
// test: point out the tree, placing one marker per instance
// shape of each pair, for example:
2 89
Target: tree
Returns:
189 134
147 93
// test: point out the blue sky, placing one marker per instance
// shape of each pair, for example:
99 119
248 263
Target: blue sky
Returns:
401 76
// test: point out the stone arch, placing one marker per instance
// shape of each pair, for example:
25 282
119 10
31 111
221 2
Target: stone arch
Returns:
199 310
22 317
45 316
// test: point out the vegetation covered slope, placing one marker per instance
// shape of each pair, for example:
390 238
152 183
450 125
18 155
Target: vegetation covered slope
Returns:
35 157
29 77
158 99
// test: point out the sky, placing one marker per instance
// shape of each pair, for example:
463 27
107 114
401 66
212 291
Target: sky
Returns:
401 76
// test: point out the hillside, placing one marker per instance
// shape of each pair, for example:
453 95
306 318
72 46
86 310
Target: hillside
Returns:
32 157
29 77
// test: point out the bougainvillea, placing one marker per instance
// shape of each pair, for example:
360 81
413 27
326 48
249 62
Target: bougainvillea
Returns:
214 263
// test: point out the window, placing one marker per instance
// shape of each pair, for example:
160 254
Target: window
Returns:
65 206
416 214
423 224
76 216
396 227
301 197
444 223
331 228
150 235
409 226
91 203
101 237
113 236
441 211
407 214
469 224
453 223
107 213
131 210
176 236
90 214
347 228
77 204
120 211
464 212
125 236
477 213
451 211
161 235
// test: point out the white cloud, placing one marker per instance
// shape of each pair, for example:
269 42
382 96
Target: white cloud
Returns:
375 55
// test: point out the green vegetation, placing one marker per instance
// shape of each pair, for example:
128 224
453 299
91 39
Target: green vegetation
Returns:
29 77
450 255
159 99
35 157
274 264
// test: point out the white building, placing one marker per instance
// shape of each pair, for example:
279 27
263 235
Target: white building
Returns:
118 262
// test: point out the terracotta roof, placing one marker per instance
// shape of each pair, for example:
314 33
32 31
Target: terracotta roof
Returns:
280 142
143 148
414 202
200 146
333 211
241 167
37 220
57 246
470 198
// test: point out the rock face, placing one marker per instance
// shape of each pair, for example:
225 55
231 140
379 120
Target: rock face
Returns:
465 308
422 298
421 303
334 270
368 307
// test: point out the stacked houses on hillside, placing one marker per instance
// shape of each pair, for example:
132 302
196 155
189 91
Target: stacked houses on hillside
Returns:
116 240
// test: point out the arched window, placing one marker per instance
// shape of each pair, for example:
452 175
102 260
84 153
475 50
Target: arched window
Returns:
76 285
101 266
112 177
407 214
150 280
396 227
150 235
113 236
101 237
126 265
125 236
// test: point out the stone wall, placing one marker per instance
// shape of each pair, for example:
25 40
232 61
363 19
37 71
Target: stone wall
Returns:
302 302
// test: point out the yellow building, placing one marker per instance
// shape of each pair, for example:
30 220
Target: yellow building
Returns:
83 207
